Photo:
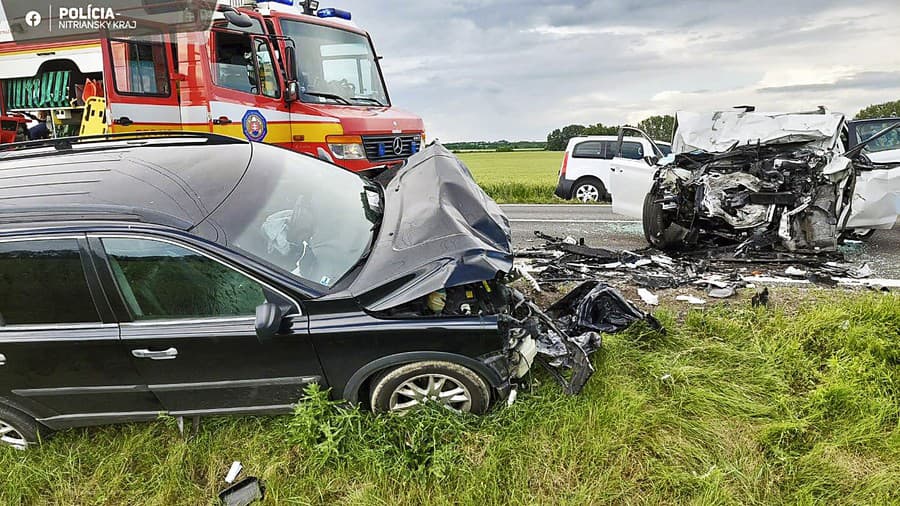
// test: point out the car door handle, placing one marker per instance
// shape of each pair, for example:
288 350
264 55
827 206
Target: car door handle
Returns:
2 359
222 120
123 121
169 354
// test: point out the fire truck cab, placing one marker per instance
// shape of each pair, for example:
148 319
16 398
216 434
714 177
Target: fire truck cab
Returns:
281 72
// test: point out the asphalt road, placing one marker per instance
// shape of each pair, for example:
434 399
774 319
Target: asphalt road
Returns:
601 227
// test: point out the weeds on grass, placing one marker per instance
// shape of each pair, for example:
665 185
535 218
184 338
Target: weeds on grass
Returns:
423 443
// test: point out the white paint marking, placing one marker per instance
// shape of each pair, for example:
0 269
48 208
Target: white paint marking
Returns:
527 220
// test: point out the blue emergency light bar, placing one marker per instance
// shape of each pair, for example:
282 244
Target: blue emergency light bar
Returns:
331 12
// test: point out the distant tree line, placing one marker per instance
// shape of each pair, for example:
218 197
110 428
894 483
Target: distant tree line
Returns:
659 128
501 146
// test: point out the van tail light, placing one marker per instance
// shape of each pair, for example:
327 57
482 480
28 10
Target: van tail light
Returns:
562 171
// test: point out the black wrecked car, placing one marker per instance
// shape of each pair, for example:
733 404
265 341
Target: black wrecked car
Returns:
194 275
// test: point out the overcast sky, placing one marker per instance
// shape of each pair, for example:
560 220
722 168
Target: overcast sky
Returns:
516 69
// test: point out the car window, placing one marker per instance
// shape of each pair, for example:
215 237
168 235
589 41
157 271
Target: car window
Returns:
43 282
589 149
236 69
140 68
632 150
890 141
159 280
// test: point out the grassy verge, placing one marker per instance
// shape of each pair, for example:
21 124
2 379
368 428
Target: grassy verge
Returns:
797 404
520 177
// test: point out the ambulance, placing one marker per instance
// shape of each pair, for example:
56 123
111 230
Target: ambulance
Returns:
281 72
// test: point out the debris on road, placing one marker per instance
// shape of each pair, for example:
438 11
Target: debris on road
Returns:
559 261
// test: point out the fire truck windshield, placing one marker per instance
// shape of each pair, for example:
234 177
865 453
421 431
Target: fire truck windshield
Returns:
335 66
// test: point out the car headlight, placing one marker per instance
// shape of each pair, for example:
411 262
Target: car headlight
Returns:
346 147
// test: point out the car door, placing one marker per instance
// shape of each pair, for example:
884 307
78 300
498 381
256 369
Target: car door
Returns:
60 355
140 85
189 326
631 178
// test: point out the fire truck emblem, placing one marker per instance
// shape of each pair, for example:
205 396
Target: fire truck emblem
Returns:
255 127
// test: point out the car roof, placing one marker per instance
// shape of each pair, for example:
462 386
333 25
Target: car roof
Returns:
172 180
603 138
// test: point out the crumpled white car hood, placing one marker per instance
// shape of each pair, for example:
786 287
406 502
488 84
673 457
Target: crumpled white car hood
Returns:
722 131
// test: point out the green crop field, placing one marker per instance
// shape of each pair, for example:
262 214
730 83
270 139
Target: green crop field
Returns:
795 404
520 177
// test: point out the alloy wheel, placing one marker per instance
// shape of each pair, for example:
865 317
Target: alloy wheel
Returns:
439 388
10 436
587 193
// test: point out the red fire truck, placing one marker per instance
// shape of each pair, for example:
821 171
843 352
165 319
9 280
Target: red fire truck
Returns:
281 72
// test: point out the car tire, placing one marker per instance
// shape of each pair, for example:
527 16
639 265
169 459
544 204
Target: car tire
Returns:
654 221
589 189
18 430
455 386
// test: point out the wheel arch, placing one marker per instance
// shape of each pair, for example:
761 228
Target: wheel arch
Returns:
355 383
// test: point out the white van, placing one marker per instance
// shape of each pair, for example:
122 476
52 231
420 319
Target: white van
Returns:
587 166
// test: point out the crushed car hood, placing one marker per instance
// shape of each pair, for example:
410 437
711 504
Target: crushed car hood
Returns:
722 131
439 230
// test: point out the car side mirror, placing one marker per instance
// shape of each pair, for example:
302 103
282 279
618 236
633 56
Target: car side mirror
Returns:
269 320
293 92
651 160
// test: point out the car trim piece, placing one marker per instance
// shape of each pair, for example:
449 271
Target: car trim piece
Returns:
113 389
181 244
189 321
351 389
13 334
274 408
213 385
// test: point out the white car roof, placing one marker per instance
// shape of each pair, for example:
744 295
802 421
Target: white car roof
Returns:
574 140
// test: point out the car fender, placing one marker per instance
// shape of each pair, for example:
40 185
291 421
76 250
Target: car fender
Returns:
351 389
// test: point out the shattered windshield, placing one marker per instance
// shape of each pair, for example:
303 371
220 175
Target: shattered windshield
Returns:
335 66
298 214
889 141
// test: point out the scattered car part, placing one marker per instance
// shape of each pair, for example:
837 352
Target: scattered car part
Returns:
233 472
648 297
690 299
243 493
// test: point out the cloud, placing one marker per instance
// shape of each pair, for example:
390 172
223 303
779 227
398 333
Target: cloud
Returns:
492 69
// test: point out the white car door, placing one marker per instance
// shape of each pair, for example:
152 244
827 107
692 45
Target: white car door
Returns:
876 200
630 181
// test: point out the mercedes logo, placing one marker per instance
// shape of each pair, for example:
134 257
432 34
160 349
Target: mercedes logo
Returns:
398 146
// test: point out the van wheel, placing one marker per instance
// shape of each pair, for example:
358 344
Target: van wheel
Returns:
589 190
18 430
453 386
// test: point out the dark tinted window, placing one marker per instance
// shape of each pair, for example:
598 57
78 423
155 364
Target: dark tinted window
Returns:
590 149
160 280
42 282
632 150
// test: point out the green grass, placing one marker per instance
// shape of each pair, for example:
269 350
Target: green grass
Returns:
798 404
520 177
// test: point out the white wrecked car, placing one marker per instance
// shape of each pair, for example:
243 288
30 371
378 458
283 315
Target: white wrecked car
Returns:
751 181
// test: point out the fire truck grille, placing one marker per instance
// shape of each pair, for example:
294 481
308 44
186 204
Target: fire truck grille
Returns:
387 147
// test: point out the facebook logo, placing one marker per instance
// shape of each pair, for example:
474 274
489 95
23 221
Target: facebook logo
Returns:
33 18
